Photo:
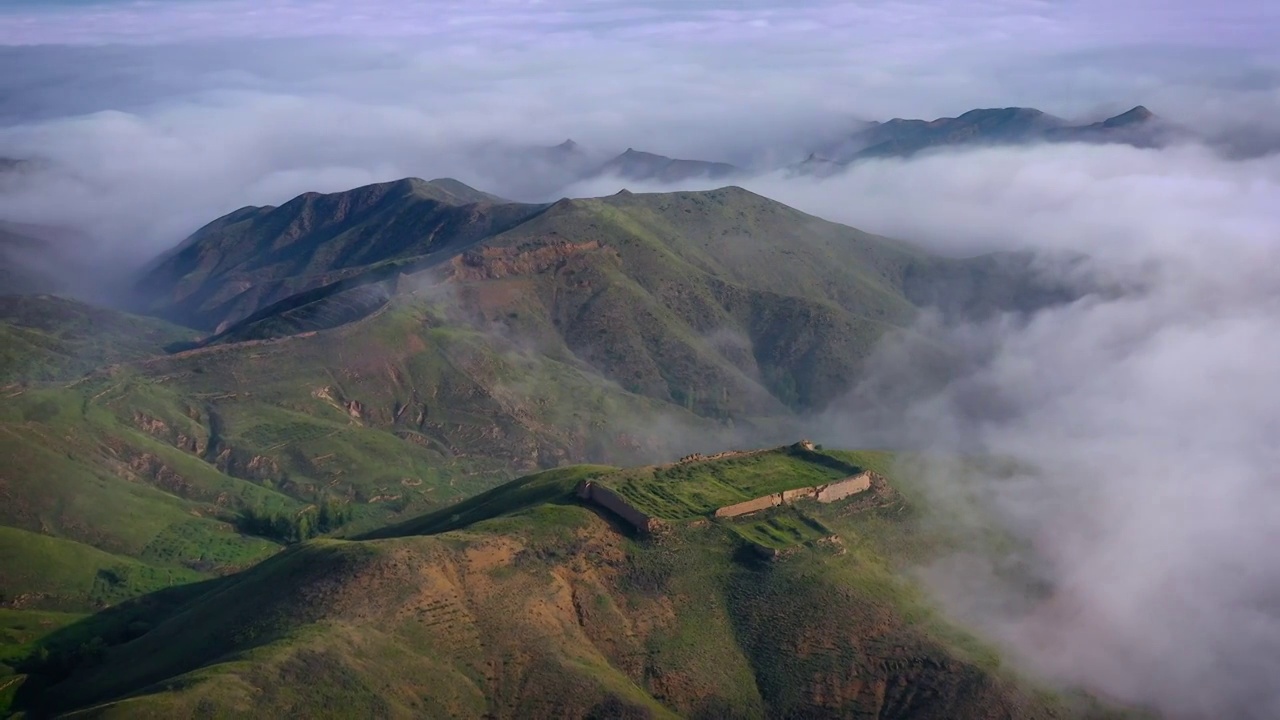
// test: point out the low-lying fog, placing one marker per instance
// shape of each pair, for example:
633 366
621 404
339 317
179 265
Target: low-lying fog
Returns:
1152 417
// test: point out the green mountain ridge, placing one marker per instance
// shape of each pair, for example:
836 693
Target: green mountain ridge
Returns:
259 255
643 276
618 330
45 337
524 602
382 357
985 126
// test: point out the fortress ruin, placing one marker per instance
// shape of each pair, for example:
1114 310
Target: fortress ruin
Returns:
611 501
828 493
596 491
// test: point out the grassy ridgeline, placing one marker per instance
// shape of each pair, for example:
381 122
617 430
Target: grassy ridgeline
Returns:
522 602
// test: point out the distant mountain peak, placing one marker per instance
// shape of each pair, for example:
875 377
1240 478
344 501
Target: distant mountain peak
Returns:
1019 112
639 165
1139 114
566 149
452 190
901 137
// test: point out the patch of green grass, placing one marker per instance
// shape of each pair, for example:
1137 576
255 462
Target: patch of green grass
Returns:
47 338
689 490
204 547
778 528
20 633
21 629
518 495
41 571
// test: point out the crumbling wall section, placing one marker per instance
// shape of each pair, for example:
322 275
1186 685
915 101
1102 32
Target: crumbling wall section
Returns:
789 496
750 506
614 503
828 493
842 489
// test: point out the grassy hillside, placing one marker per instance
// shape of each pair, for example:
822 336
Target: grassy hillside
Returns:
386 358
45 337
723 302
619 330
257 256
174 462
525 603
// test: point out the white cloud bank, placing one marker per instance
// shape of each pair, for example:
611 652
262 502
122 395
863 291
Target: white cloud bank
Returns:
1153 417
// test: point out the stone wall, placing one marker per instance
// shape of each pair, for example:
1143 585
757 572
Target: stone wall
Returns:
750 506
611 501
844 488
789 496
830 492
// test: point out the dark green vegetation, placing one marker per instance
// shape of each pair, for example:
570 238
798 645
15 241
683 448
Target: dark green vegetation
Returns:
523 603
284 526
365 361
988 126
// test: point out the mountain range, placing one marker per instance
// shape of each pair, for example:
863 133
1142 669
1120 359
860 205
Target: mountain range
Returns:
328 453
563 165
1004 126
904 138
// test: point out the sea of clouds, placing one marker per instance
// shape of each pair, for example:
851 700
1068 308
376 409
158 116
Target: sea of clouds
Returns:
1150 417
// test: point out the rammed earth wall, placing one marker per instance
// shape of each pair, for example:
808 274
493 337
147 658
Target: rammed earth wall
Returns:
611 501
750 506
831 492
844 488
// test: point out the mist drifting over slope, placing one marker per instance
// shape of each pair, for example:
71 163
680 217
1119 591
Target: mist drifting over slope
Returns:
1151 418
1148 419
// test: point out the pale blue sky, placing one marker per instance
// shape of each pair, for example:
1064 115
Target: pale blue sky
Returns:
1059 23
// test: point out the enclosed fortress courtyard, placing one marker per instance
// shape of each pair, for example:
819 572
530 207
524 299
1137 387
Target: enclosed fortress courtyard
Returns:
725 486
